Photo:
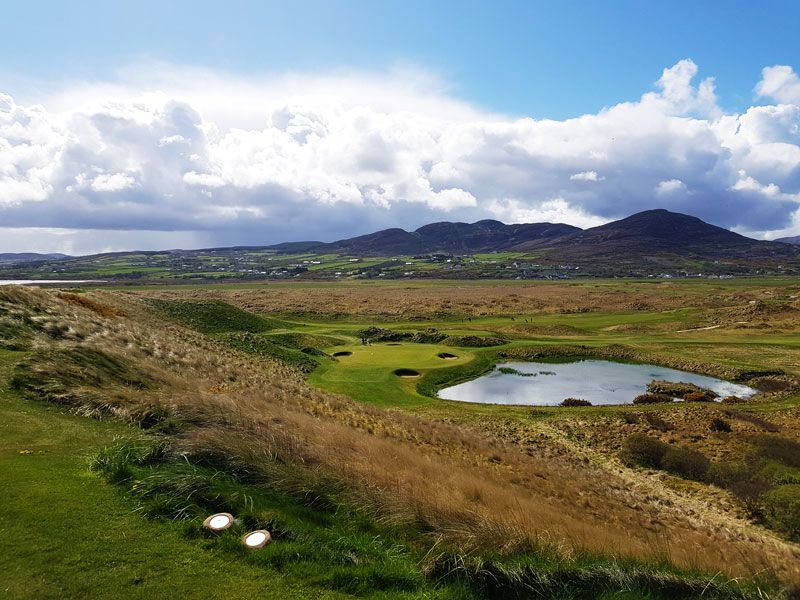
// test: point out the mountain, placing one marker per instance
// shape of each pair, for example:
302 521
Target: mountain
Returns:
660 232
652 242
789 240
452 238
21 257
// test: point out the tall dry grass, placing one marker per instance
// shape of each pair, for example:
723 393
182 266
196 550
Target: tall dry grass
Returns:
259 418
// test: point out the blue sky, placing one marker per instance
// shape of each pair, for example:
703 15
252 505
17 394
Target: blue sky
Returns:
176 123
542 59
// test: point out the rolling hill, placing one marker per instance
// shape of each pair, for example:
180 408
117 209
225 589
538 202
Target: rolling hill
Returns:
446 237
789 240
649 243
660 231
21 257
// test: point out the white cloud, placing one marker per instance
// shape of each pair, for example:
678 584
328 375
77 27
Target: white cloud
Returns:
259 160
670 186
556 210
113 182
779 83
586 176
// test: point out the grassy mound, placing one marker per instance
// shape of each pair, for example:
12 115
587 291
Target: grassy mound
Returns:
263 346
74 375
214 316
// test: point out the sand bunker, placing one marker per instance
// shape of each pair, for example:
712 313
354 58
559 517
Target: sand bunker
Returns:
406 373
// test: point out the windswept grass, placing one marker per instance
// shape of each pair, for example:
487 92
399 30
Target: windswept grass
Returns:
264 346
340 546
454 490
214 316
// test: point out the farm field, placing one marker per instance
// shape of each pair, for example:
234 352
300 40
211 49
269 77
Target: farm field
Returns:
317 401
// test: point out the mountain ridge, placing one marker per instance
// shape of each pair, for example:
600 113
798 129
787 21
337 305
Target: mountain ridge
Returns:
649 232
789 240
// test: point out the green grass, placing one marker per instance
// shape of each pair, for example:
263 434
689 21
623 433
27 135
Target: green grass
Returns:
263 346
102 544
213 316
368 373
67 534
321 543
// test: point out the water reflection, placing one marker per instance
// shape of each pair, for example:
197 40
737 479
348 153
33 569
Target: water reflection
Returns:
598 381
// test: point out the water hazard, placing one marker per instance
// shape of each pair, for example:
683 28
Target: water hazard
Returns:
598 381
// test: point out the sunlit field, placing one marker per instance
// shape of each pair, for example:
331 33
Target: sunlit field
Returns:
312 411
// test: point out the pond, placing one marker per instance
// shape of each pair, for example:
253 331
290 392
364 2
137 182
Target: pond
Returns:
598 381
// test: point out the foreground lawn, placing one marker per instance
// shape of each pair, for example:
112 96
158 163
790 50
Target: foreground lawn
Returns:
64 533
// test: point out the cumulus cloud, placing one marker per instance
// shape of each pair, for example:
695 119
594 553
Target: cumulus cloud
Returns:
586 176
779 83
195 156
671 186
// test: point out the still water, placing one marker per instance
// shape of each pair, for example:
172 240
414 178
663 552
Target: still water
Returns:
598 381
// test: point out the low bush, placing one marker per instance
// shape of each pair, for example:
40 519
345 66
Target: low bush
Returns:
725 474
474 341
685 462
575 402
643 451
677 389
699 397
732 400
428 336
656 422
781 507
651 398
378 334
778 448
751 418
719 425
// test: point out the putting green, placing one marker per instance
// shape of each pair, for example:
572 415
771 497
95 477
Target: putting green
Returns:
368 374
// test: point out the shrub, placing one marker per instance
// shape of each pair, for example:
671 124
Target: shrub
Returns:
699 397
685 462
429 336
751 418
725 474
630 418
732 400
656 422
719 425
575 402
676 389
782 509
749 490
651 398
474 341
778 448
643 450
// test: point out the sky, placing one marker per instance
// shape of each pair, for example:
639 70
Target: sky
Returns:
154 125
